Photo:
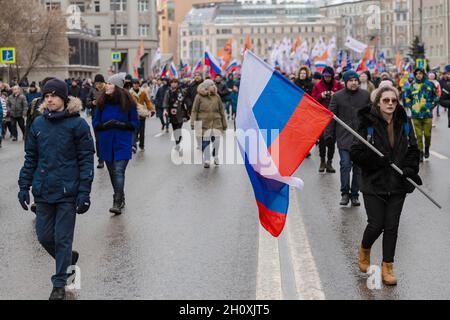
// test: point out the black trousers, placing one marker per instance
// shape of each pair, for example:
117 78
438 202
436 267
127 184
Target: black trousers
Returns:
140 133
17 121
176 127
323 148
383 214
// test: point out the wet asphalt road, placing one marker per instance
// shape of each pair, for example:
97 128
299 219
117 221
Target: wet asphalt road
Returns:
191 233
423 246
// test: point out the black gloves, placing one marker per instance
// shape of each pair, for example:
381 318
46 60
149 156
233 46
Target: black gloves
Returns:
100 127
83 203
382 161
24 198
410 173
115 124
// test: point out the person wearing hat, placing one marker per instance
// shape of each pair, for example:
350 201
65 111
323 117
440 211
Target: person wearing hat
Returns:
97 91
116 120
59 167
346 104
32 93
17 106
445 88
176 110
323 92
388 128
421 98
209 120
145 109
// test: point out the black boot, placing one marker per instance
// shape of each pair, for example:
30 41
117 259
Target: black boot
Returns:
323 166
421 156
427 152
101 164
117 205
330 168
345 200
355 202
58 294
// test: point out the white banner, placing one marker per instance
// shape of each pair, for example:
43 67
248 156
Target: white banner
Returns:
355 45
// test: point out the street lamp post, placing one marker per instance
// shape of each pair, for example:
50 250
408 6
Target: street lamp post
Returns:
116 64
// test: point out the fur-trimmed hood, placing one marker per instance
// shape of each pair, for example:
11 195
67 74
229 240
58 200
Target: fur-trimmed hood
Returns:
72 109
204 92
74 106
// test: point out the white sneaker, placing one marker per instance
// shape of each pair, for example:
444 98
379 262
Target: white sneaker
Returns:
216 161
206 165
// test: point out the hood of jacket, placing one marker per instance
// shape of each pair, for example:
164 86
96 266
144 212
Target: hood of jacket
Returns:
204 92
369 115
72 109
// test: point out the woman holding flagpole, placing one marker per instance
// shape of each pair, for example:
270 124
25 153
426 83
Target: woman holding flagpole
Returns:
388 129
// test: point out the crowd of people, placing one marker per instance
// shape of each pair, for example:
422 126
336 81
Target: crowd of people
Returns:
394 112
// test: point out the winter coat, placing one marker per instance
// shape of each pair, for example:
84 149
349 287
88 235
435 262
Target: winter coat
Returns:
159 100
33 111
445 97
305 85
17 106
234 101
191 93
115 144
144 105
421 97
74 91
223 91
378 179
322 87
32 95
346 104
208 109
94 95
59 156
175 105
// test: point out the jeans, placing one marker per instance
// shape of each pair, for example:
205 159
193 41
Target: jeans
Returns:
116 171
383 213
423 128
55 225
21 122
206 147
346 167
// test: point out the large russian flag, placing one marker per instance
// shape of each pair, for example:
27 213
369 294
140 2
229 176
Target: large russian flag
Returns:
213 64
277 125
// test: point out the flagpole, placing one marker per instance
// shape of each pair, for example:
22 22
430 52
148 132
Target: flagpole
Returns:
348 128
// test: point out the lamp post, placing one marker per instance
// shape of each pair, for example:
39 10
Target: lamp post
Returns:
116 64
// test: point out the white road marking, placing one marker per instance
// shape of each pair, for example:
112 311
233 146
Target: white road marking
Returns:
269 277
438 155
160 134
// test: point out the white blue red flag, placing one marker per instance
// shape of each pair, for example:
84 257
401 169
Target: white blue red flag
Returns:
213 64
199 66
277 125
173 70
232 66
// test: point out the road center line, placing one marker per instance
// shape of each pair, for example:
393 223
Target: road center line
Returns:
438 155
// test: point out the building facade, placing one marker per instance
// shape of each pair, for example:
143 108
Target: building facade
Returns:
266 24
430 21
120 25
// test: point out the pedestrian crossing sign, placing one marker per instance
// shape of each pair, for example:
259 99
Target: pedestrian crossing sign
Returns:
116 57
8 55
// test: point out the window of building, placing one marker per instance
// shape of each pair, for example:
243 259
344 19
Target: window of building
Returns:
98 30
50 5
119 5
119 29
80 4
144 30
97 6
143 5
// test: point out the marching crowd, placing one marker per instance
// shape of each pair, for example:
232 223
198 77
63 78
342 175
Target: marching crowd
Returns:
394 112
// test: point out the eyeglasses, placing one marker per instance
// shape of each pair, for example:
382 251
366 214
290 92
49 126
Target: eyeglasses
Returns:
389 100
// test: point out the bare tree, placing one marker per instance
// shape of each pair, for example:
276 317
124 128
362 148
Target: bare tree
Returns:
38 34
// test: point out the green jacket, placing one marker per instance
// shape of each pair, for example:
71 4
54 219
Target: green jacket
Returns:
421 98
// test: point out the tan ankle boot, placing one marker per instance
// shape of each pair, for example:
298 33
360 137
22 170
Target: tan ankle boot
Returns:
387 271
364 259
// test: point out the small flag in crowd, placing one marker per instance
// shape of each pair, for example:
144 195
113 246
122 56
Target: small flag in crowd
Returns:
199 66
213 64
231 67
285 123
173 70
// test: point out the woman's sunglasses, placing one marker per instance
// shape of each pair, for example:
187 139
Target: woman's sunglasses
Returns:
387 100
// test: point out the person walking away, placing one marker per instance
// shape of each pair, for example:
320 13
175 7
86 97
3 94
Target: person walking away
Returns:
445 87
323 91
432 76
346 104
388 128
59 161
17 107
159 103
303 80
116 120
224 93
176 110
209 111
145 109
92 101
74 90
421 98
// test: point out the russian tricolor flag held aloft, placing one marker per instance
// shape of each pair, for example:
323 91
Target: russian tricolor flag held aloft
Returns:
173 70
232 66
277 125
213 64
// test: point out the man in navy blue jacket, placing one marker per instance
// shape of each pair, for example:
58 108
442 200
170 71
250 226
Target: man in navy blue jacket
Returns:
59 166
